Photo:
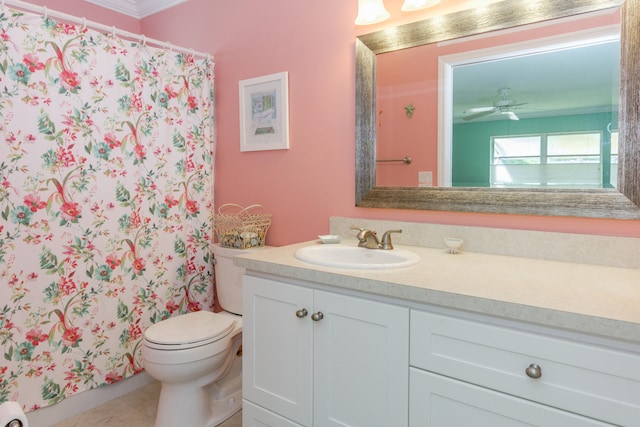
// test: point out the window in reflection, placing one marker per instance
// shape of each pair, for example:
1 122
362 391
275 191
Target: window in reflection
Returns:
568 159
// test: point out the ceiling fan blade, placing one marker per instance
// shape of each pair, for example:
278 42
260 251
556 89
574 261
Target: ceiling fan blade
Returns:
511 115
479 110
480 114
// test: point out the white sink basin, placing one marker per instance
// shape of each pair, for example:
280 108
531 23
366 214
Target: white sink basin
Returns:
343 256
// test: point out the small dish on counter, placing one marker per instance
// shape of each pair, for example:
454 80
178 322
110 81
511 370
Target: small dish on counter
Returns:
330 238
453 244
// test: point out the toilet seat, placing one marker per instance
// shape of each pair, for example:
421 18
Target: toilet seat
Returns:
188 331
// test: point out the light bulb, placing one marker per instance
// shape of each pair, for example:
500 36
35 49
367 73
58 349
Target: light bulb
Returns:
371 12
410 5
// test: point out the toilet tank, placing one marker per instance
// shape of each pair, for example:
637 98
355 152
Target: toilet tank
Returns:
228 278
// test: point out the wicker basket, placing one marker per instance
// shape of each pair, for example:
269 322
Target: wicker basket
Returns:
241 228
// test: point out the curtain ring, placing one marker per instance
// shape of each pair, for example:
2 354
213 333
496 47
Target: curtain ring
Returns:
169 46
84 24
45 12
113 31
143 40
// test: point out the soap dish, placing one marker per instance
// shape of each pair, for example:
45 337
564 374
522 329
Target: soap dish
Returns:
330 238
453 244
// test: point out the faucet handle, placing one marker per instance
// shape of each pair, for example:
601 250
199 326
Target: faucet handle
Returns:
360 231
385 243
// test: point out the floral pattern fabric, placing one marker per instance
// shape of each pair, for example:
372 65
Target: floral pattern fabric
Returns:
106 158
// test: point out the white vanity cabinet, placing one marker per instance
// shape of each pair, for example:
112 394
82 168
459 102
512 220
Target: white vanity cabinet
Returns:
318 358
466 372
314 357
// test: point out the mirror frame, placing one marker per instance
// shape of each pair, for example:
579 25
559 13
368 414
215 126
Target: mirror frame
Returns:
593 203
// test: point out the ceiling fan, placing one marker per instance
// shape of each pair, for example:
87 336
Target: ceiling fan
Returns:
503 105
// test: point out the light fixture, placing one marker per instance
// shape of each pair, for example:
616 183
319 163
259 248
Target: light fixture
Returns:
371 12
410 5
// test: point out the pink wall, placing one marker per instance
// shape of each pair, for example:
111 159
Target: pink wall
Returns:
407 77
314 42
314 179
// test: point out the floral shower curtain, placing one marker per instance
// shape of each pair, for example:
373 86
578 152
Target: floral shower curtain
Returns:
105 201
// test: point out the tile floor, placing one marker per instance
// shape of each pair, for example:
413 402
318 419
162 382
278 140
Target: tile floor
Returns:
137 408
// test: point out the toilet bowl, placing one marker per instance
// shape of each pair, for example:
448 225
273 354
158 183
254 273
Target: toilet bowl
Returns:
197 356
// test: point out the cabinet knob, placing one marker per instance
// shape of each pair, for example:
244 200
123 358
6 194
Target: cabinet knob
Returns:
317 316
533 371
302 313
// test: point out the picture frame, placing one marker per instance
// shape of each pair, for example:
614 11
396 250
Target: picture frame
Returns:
264 113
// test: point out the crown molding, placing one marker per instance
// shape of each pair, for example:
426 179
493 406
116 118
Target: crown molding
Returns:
137 8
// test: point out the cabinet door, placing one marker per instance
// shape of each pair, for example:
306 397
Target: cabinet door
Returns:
361 360
256 416
277 361
438 401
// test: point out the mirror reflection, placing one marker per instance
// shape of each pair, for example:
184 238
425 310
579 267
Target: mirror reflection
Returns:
552 122
536 107
449 31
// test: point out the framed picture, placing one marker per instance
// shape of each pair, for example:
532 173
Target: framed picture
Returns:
264 113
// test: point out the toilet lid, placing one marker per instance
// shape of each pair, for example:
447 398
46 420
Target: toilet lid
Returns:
190 328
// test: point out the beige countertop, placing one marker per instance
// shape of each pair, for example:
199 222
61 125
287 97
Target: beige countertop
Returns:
597 300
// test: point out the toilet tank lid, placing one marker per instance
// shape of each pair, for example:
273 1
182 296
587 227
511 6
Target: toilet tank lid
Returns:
190 328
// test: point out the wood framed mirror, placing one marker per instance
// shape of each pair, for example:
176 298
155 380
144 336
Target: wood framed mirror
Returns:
621 203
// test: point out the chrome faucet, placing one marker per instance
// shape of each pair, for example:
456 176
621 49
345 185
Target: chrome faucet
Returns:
369 239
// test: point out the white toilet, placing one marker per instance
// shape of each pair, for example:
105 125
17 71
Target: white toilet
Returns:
197 356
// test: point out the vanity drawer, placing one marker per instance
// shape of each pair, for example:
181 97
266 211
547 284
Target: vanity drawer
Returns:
439 401
586 379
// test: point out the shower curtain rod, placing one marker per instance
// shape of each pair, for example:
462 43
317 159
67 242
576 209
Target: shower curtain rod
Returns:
101 27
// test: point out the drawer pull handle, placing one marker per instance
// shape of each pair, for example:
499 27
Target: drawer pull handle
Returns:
533 371
302 313
317 316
